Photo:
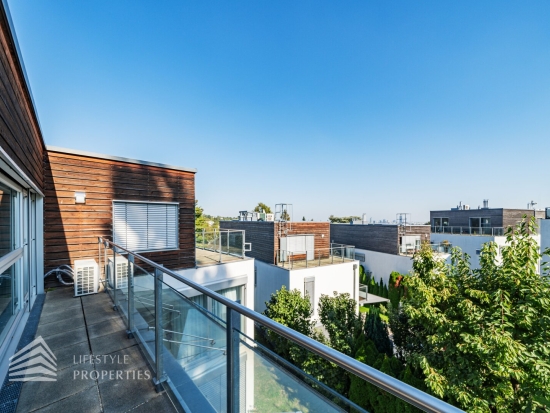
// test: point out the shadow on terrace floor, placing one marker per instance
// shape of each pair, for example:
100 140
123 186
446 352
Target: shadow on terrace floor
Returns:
75 328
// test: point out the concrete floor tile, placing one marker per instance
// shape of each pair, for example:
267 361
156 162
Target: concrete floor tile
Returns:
123 395
68 338
161 403
61 326
111 343
86 401
105 327
38 394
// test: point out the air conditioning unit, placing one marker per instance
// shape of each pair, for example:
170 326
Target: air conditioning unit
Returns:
86 277
121 272
270 217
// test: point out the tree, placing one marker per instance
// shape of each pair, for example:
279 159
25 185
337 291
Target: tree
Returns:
261 207
291 309
285 215
343 220
200 220
480 336
303 218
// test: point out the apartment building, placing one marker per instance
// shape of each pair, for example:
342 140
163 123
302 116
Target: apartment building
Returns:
298 255
382 248
469 228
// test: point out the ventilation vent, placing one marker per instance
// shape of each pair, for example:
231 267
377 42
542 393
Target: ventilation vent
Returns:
86 277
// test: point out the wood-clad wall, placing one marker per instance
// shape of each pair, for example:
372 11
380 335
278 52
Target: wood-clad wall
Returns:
379 238
500 217
71 230
259 233
20 135
264 236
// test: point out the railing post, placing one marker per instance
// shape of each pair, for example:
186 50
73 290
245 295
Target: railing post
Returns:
203 238
233 361
114 280
342 252
105 267
130 331
220 244
159 334
319 258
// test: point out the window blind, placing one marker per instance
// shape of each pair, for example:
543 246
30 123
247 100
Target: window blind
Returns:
142 226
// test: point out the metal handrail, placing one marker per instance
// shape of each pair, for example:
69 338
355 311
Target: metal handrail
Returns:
387 383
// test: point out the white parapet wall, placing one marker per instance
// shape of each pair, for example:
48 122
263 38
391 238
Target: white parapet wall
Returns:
342 278
544 235
381 265
469 244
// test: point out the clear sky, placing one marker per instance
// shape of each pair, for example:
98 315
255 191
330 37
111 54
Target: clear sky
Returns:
337 107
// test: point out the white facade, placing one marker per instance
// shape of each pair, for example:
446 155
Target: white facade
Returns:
544 226
472 244
342 278
381 265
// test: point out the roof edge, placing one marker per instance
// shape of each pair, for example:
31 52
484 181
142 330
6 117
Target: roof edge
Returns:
58 149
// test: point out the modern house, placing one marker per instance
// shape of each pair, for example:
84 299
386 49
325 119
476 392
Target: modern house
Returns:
382 248
470 228
298 255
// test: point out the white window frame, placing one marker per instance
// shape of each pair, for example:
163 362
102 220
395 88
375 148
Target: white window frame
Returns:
168 248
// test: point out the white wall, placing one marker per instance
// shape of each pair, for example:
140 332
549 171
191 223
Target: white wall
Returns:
269 278
341 278
469 244
381 264
544 235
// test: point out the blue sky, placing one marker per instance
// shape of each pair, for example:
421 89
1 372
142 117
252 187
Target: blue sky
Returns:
340 108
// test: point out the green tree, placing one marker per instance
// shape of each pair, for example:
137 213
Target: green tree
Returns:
262 207
303 218
285 216
480 336
395 289
291 309
200 220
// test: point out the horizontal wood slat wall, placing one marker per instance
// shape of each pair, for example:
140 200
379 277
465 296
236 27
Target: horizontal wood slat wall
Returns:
264 235
379 238
20 135
71 230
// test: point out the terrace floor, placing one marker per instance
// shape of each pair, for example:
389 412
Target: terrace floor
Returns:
206 257
75 328
319 262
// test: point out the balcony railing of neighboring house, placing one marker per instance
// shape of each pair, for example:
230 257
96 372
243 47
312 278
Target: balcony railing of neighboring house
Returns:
487 231
440 248
315 257
222 242
205 361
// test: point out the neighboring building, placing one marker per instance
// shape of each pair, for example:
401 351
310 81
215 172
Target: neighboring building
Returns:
469 229
298 255
382 248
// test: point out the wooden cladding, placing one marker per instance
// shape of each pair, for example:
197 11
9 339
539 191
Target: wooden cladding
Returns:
20 135
379 238
263 236
71 230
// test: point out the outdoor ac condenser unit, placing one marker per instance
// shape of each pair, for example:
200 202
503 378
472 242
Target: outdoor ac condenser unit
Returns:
121 272
86 277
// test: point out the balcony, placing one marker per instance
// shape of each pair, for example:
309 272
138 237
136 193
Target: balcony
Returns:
220 246
315 257
487 231
437 248
196 360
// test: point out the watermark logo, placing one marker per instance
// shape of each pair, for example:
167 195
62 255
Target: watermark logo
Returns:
34 362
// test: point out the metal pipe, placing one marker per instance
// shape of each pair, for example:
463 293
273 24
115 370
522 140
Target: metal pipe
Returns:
387 383
130 331
233 360
159 367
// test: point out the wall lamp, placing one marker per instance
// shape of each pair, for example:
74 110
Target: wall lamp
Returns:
80 197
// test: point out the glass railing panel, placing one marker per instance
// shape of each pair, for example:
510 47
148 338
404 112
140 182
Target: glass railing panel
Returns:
272 383
194 341
235 243
144 306
118 280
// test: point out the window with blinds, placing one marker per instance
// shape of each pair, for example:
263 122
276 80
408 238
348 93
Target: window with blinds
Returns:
144 226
